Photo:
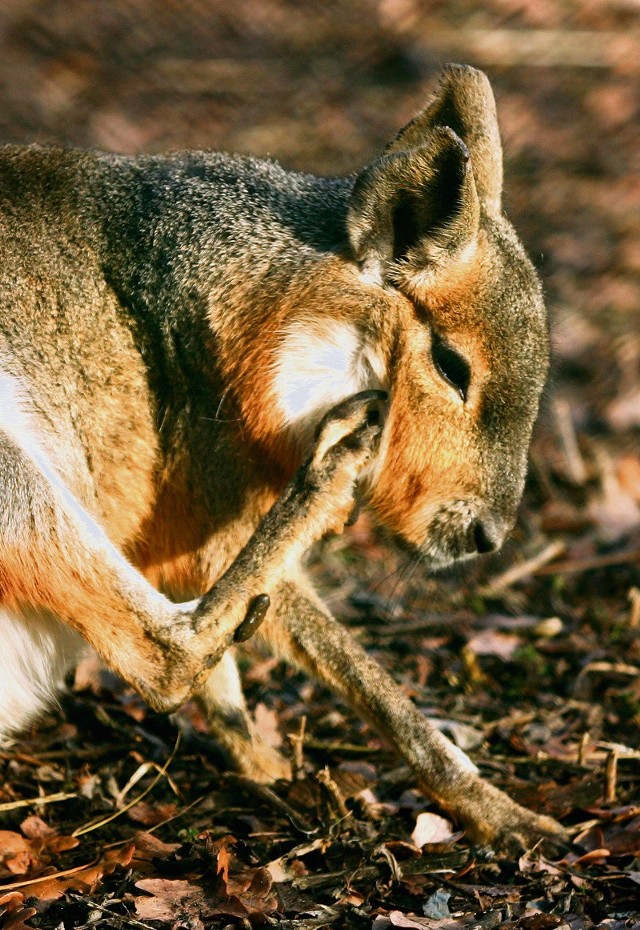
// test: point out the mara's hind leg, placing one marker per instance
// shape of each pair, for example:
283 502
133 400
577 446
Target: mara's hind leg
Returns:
54 557
223 703
55 561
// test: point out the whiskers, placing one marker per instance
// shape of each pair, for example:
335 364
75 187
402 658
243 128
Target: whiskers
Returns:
404 574
409 560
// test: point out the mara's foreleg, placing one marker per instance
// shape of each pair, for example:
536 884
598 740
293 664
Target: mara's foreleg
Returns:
55 559
302 630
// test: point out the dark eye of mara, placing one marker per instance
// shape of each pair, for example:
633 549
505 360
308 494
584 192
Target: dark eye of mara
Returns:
452 366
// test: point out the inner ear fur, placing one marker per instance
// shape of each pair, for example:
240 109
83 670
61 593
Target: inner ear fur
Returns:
464 101
416 206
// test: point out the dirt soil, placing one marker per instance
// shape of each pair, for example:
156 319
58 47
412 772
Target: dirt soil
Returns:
113 816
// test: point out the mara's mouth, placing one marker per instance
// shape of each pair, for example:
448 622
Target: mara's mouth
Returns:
433 559
452 533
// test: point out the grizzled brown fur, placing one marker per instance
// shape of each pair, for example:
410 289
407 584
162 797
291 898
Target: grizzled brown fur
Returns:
201 356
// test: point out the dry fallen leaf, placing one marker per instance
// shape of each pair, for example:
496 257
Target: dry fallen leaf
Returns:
222 864
13 915
495 643
16 856
413 922
148 846
172 899
83 879
431 828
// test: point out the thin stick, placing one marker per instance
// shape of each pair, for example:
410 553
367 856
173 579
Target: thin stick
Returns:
583 747
569 441
297 744
121 918
325 779
20 757
431 622
46 799
530 566
105 820
586 565
611 777
48 878
347 749
513 720
268 796
185 810
634 613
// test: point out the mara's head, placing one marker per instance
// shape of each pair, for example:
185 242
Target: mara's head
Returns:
434 300
470 355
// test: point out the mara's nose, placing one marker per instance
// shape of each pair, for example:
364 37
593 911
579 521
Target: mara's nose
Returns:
486 535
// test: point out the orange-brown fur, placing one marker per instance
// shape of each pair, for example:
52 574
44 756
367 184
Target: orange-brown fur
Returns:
204 360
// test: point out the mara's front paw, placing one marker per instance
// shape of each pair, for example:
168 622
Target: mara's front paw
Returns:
349 433
492 818
521 831
346 441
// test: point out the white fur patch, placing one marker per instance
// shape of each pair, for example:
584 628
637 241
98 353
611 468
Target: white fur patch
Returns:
36 653
223 685
14 416
319 364
37 650
371 273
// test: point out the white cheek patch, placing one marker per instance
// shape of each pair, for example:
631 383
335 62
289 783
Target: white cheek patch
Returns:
371 273
319 364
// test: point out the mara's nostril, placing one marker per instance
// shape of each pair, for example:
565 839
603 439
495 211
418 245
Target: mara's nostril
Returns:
483 538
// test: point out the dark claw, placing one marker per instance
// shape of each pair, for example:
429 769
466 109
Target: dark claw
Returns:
255 615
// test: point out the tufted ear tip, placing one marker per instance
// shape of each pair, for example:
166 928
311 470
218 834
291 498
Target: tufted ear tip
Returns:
462 72
464 102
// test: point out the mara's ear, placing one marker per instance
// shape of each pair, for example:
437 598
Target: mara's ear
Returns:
465 103
416 208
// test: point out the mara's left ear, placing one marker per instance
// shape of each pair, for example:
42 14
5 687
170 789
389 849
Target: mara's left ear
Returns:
414 209
465 103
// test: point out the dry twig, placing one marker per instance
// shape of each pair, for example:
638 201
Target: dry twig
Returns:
28 802
105 820
530 566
